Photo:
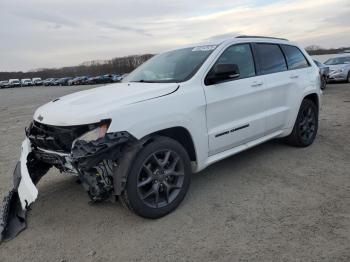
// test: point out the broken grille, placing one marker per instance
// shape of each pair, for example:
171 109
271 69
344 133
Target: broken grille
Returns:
56 138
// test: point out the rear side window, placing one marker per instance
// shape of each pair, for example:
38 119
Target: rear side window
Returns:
242 56
271 58
295 58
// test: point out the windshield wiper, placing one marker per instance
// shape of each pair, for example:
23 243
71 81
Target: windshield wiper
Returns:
143 81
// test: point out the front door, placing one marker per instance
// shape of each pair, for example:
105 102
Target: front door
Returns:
236 108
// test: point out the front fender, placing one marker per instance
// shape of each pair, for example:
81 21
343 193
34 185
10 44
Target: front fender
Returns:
184 108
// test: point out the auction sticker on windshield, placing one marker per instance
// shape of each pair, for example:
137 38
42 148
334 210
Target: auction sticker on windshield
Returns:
204 48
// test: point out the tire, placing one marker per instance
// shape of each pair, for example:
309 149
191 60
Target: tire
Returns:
158 179
323 82
348 77
306 125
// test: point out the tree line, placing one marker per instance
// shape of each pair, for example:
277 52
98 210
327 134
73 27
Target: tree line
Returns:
120 65
317 50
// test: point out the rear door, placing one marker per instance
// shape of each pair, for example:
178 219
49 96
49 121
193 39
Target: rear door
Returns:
280 84
236 108
300 71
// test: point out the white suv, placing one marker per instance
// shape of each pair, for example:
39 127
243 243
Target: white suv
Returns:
176 114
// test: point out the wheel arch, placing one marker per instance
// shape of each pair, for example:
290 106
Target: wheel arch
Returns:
314 98
179 134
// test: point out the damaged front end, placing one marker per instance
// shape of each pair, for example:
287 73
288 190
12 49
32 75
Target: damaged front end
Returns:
86 151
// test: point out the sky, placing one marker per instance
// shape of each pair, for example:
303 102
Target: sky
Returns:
55 33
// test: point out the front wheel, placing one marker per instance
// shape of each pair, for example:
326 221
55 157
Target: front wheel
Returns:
306 125
158 180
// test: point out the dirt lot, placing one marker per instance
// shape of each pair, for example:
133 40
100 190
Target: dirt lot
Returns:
271 203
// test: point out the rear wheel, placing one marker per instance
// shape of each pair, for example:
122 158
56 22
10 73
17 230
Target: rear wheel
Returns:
159 179
349 77
306 125
323 82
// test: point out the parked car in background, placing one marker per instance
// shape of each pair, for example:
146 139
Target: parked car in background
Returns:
4 84
103 79
117 78
91 80
71 81
339 68
37 81
49 82
82 80
14 83
79 80
62 81
26 82
324 72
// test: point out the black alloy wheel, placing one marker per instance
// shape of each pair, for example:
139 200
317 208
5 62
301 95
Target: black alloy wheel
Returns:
306 125
159 178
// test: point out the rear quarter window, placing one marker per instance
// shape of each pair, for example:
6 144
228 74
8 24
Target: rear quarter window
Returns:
295 58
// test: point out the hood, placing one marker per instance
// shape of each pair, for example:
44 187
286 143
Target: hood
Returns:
336 67
93 105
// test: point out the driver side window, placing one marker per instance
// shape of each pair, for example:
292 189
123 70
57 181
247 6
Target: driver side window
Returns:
242 56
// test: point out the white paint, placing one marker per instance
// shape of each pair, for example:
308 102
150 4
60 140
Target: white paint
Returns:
27 191
270 108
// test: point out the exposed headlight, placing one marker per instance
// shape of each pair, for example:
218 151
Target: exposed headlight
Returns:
340 70
96 133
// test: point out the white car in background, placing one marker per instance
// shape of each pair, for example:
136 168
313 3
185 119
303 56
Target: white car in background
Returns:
339 68
37 81
14 83
4 84
176 114
26 82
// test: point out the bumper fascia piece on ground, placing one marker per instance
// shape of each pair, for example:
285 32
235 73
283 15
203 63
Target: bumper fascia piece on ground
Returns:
27 191
16 203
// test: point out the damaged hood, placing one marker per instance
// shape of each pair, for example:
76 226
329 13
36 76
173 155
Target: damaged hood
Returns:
337 67
92 105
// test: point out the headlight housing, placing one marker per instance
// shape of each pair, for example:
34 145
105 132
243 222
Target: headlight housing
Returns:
340 70
99 132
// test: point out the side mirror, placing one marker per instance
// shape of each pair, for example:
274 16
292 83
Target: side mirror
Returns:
222 73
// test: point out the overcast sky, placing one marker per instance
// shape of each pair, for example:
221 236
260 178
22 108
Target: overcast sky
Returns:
54 33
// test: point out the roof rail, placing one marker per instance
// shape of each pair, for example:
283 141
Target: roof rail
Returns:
254 36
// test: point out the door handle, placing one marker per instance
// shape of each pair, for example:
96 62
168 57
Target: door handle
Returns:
257 84
294 76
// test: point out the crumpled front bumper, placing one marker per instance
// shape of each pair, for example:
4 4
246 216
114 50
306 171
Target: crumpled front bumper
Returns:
16 203
35 162
27 191
337 76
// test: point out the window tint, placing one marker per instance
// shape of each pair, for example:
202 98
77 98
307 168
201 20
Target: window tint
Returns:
295 58
271 59
241 55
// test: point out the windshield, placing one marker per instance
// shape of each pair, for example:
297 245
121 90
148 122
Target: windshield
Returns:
338 61
171 67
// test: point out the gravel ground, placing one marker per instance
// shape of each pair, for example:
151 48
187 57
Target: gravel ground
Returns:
270 203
